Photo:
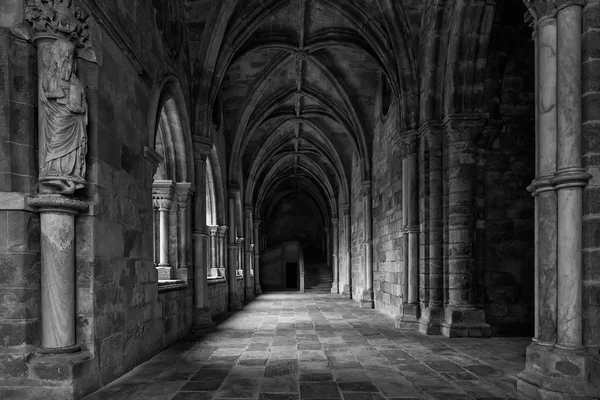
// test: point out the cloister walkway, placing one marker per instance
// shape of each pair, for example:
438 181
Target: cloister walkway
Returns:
313 346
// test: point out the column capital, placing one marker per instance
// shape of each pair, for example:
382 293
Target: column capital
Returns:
201 146
212 230
183 191
239 240
542 9
334 221
346 209
221 231
162 194
463 128
407 143
366 187
233 189
248 210
432 133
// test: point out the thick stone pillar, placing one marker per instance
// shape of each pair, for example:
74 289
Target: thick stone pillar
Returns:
347 291
183 194
202 316
257 288
461 316
57 223
558 366
248 255
221 261
235 303
431 317
162 196
367 298
335 255
409 315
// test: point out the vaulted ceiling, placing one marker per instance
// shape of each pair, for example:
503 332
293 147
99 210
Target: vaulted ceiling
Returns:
297 80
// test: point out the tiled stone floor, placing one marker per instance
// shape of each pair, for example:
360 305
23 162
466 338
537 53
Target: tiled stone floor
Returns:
309 346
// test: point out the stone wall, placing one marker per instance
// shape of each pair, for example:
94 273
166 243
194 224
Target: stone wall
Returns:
387 213
218 297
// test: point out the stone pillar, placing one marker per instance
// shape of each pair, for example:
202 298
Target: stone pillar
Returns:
431 317
183 194
248 256
57 223
213 260
367 299
558 365
235 303
335 255
221 262
409 316
328 245
347 291
257 288
202 317
162 196
461 316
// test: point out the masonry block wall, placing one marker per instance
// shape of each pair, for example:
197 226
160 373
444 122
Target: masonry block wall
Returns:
357 231
387 213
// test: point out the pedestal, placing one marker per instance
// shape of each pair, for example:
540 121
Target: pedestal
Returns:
347 292
431 321
366 300
459 322
409 318
57 224
202 321
234 301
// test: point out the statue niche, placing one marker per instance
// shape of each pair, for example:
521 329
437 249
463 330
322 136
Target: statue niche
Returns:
63 121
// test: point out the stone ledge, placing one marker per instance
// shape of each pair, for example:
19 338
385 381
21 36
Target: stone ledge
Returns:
171 284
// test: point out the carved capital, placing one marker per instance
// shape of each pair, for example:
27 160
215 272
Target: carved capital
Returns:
239 240
233 189
334 221
540 9
183 191
366 188
221 230
59 19
201 146
463 128
212 230
431 134
407 143
162 194
346 209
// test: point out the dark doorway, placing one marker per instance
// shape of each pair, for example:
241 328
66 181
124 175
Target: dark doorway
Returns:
291 275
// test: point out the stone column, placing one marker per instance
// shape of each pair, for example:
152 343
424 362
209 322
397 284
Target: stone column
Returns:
202 317
328 245
162 196
558 365
213 259
183 193
235 303
248 256
347 291
430 321
409 316
335 255
367 299
462 317
257 288
57 223
221 262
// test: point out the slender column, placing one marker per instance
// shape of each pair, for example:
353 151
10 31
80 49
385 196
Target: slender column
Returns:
347 291
328 246
462 318
183 193
235 303
410 196
558 365
430 321
162 196
248 256
57 222
202 317
214 251
221 262
569 179
367 299
257 288
335 265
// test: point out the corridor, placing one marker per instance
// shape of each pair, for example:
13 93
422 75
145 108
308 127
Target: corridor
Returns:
286 346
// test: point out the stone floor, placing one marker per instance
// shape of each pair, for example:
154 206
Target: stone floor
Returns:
308 346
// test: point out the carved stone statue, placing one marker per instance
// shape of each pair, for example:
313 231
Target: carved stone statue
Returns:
63 121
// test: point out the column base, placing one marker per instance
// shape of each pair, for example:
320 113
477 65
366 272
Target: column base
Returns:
465 323
561 374
257 290
366 300
431 321
249 295
335 288
164 273
234 303
347 292
409 317
202 321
